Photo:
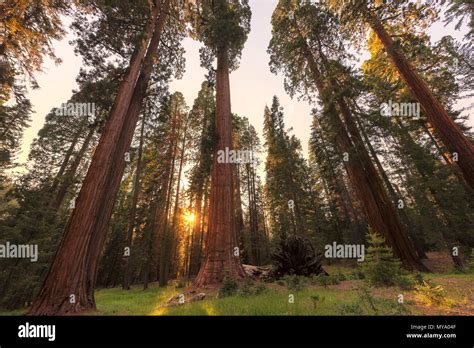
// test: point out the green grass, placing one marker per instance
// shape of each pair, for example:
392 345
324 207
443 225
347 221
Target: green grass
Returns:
311 300
135 301
272 302
14 312
275 301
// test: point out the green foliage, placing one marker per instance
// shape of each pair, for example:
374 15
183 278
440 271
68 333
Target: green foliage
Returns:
431 294
471 261
295 282
353 308
366 303
356 275
317 300
229 288
222 26
255 244
250 288
287 179
380 267
325 280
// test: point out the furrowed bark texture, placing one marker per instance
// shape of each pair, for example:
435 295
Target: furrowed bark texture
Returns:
220 259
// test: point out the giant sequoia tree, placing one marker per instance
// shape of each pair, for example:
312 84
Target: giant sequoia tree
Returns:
222 25
69 285
156 203
433 183
306 48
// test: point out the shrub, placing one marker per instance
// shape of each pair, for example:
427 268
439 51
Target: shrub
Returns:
405 282
229 288
381 268
350 309
249 288
246 290
356 275
260 289
431 294
281 282
294 282
325 280
366 303
340 276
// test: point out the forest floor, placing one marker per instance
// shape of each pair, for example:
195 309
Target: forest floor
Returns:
454 296
349 297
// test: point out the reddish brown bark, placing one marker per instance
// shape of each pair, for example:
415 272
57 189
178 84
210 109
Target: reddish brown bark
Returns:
162 231
449 132
380 212
170 262
74 268
393 195
221 240
133 208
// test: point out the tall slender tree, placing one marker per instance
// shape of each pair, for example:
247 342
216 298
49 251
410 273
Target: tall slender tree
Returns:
222 25
69 285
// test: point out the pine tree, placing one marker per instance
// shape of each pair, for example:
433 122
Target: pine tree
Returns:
380 267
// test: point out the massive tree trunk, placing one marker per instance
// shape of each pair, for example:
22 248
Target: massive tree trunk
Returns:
70 283
393 195
380 212
449 132
220 259
133 209
126 137
436 211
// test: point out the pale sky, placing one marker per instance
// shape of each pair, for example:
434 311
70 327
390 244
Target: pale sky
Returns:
252 85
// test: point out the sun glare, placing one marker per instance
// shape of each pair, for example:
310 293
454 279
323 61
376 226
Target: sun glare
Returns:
189 218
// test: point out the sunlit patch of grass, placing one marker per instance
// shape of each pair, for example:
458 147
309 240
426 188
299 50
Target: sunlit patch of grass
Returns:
135 301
